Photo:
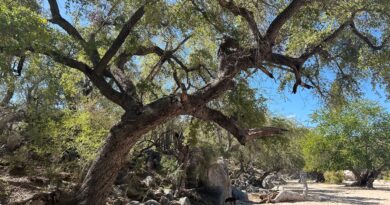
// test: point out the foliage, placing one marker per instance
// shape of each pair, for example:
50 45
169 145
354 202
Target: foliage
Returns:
354 137
334 177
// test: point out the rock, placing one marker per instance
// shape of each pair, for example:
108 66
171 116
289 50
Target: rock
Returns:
4 162
148 181
18 170
36 202
70 154
158 193
169 193
134 203
40 181
14 141
239 195
153 159
272 181
164 200
184 201
151 202
218 179
288 196
118 202
348 175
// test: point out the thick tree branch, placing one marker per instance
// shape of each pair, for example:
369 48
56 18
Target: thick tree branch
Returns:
120 39
281 19
70 62
242 135
141 51
72 31
245 13
126 86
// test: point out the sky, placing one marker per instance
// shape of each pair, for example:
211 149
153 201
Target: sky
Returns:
301 105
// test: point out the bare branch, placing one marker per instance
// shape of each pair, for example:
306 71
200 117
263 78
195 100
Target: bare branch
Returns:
120 39
166 55
242 135
326 40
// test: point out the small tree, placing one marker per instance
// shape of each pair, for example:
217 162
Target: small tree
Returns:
355 137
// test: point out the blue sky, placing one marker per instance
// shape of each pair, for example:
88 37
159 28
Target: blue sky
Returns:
301 105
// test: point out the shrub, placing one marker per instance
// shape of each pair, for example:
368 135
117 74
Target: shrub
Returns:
386 176
334 177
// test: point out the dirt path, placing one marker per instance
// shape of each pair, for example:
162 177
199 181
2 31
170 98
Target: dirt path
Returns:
340 194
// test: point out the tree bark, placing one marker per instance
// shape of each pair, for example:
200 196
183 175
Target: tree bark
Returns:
99 180
365 178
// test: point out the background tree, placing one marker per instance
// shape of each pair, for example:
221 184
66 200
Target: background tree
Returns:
158 60
354 137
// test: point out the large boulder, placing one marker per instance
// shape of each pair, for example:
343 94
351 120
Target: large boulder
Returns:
14 141
218 179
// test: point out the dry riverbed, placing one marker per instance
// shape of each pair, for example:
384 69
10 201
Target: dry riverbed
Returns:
341 194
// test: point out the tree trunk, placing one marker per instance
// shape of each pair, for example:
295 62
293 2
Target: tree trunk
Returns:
319 177
365 178
100 177
99 180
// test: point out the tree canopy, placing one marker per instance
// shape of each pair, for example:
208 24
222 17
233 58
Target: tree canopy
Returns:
355 137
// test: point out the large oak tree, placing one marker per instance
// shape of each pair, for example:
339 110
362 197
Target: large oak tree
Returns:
192 52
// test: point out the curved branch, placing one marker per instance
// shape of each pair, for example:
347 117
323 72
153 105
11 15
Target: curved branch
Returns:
366 39
246 14
242 135
282 18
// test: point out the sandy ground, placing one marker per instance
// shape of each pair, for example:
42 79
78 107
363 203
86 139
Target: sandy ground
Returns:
341 194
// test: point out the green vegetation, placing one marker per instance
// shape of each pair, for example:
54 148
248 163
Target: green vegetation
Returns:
355 137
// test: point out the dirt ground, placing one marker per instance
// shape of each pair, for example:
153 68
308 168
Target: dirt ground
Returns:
341 194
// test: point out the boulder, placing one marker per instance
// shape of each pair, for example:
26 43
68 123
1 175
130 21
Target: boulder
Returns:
239 195
148 181
184 201
169 193
164 200
288 196
218 179
14 141
151 202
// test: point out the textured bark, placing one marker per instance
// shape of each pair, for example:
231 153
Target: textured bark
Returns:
365 178
100 177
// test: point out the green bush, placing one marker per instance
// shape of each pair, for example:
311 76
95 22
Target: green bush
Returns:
386 176
334 177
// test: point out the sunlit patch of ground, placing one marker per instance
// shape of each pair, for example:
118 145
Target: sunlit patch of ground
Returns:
341 194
